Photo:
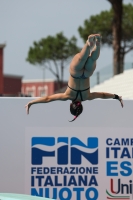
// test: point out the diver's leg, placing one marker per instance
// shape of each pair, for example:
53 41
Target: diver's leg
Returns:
90 65
96 50
78 62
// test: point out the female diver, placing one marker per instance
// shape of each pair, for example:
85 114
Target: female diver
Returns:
81 68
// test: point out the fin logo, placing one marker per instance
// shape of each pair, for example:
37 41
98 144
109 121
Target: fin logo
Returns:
67 150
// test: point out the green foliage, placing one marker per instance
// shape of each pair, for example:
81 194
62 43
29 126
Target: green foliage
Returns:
102 23
57 48
127 23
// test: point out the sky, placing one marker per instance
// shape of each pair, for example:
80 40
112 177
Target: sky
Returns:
24 21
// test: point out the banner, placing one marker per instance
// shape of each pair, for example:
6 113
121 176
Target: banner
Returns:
79 163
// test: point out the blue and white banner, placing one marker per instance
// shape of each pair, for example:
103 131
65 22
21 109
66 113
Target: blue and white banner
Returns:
79 163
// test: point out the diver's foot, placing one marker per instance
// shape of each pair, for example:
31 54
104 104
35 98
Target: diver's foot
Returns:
98 39
91 40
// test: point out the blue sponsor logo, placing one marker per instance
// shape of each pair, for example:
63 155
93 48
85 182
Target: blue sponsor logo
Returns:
67 150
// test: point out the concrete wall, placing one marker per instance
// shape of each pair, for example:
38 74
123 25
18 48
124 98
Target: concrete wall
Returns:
102 119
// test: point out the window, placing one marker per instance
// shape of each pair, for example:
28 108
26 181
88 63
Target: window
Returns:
30 93
42 93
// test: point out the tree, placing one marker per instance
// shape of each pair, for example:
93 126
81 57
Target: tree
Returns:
117 34
102 23
53 52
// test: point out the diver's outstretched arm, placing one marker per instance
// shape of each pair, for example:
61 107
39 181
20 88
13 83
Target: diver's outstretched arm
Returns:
104 95
47 99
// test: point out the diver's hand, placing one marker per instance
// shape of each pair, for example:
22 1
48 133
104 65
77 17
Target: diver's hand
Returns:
121 101
27 106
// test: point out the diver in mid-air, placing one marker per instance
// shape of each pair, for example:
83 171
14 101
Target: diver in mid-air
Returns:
81 68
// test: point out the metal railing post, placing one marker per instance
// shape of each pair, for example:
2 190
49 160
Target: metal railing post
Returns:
98 78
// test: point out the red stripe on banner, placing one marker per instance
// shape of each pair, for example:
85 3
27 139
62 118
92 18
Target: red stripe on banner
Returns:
112 186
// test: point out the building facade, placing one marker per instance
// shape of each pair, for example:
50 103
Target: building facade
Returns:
14 86
10 85
39 88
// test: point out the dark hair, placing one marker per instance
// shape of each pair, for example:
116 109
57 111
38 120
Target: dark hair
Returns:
76 109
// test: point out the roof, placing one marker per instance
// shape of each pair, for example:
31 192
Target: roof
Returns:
121 84
2 45
37 80
12 76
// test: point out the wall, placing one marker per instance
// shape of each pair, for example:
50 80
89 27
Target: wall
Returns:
1 70
103 120
12 85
